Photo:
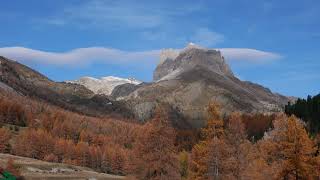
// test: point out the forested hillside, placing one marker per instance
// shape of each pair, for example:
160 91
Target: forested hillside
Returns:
308 110
234 147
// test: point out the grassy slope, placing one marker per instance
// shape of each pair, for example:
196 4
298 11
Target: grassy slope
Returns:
36 170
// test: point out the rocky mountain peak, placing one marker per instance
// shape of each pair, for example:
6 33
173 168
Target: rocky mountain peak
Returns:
168 54
174 62
171 54
192 45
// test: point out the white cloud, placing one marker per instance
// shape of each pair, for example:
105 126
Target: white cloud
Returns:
245 54
206 37
85 56
80 56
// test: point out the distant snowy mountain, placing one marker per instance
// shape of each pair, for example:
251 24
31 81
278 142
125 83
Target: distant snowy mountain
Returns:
104 85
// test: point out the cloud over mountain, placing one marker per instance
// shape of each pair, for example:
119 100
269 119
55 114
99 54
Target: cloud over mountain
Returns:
80 56
85 56
246 54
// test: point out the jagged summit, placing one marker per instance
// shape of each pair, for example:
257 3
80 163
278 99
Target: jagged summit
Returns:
187 80
192 45
174 62
171 54
168 54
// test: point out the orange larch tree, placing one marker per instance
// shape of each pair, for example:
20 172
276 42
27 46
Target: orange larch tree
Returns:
238 145
82 154
207 158
34 143
155 151
289 149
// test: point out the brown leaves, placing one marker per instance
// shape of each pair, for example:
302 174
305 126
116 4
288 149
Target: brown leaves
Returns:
34 143
289 148
5 136
12 112
155 151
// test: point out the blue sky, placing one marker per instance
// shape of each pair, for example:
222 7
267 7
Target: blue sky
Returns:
273 43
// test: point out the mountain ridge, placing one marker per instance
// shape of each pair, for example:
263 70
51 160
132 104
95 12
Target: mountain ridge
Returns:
194 78
184 60
29 82
184 86
103 85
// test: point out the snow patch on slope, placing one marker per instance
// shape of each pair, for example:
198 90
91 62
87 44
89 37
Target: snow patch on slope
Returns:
104 85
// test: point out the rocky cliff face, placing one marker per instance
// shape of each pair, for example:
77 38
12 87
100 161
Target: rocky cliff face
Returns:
186 85
187 59
124 90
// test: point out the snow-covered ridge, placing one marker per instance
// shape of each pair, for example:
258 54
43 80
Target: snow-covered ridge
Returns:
103 85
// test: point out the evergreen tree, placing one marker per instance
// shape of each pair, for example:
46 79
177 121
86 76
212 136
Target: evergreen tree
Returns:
308 110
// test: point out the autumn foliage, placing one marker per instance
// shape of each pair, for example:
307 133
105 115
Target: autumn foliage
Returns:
155 151
211 145
5 137
56 135
12 112
285 152
289 150
236 146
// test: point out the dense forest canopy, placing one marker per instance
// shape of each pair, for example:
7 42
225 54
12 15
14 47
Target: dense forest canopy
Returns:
308 110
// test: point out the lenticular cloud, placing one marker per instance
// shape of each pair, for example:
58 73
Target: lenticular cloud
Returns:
83 56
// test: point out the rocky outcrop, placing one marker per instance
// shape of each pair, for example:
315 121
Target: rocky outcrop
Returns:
123 90
188 59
